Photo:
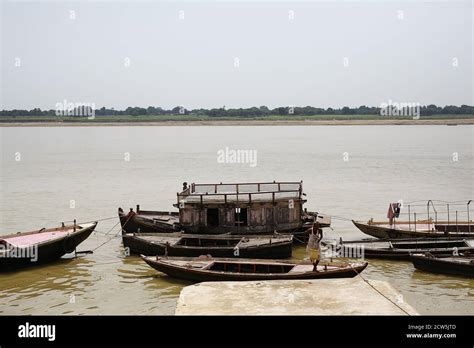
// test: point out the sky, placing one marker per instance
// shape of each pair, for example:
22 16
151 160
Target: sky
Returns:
206 54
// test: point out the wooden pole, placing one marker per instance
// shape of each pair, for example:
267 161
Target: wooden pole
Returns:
468 221
409 218
457 227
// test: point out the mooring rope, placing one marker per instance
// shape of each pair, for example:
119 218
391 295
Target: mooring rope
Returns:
377 290
77 223
373 287
97 220
340 218
101 232
298 240
86 222
115 235
108 240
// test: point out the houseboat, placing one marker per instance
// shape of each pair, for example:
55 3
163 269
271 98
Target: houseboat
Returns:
235 208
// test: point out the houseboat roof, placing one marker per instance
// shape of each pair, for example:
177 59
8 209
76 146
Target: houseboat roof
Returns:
241 192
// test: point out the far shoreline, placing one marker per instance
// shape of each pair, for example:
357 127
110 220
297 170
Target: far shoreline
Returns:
241 122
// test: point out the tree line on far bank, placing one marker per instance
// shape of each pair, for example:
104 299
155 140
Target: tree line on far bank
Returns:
261 111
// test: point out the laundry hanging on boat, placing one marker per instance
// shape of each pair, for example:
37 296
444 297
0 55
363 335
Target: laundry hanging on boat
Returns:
393 211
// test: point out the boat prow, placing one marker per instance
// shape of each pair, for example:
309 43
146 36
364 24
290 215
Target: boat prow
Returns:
148 221
37 247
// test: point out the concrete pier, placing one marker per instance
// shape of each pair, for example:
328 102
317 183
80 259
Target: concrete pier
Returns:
297 297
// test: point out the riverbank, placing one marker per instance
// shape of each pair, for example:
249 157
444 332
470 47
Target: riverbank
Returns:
241 122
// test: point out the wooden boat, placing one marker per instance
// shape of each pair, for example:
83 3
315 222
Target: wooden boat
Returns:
148 221
456 222
399 249
220 269
237 208
226 245
462 265
422 229
37 247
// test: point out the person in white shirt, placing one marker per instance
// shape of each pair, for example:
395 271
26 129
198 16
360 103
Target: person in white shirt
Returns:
314 245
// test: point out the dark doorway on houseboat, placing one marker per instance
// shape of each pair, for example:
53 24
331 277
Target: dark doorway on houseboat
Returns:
241 217
212 217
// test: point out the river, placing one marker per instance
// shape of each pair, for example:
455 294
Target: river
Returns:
54 174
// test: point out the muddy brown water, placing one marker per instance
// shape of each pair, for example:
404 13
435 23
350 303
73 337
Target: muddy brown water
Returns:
54 174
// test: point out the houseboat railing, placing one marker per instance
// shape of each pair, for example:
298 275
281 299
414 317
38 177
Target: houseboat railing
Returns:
287 194
468 220
240 191
434 209
409 218
237 187
249 183
447 207
457 226
235 193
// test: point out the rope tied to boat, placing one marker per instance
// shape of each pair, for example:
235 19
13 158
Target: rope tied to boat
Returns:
377 290
97 220
108 240
340 218
115 235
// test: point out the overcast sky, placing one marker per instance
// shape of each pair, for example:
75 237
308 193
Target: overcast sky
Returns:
237 54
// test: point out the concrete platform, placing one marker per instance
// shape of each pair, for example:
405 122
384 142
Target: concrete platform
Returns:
297 297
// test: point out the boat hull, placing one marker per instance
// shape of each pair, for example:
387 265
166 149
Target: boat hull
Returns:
382 232
404 255
401 248
443 266
275 250
197 275
48 252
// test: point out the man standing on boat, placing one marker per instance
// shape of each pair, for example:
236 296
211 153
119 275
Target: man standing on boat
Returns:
314 245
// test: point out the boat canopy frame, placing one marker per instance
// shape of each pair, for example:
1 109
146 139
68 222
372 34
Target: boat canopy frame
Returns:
432 216
241 193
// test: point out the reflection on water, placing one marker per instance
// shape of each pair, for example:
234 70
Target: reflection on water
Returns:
153 280
26 289
57 169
